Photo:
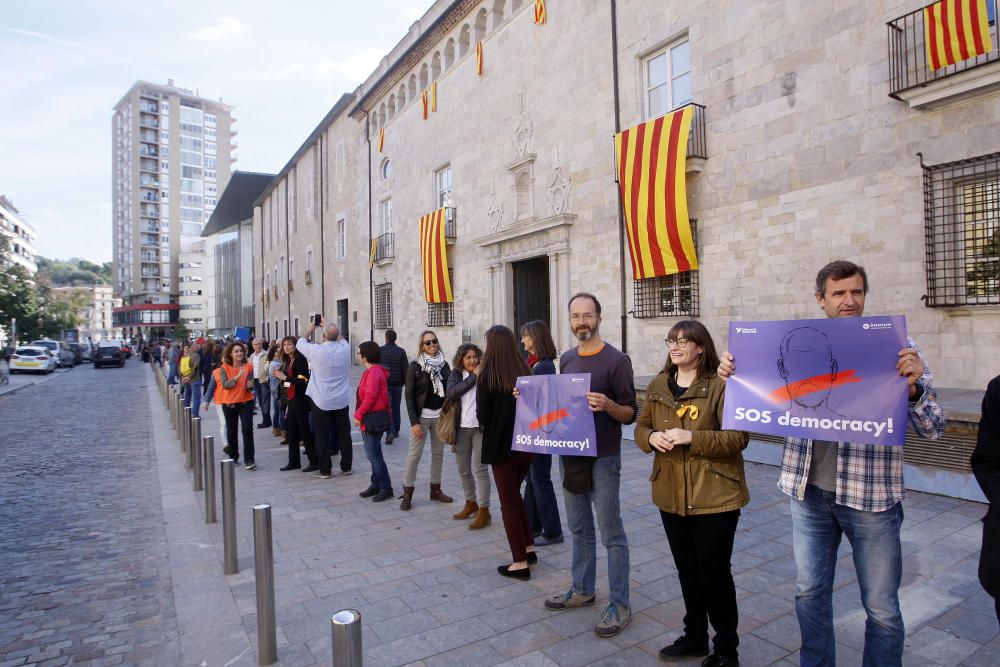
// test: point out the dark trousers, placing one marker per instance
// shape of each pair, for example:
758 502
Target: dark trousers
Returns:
508 477
297 430
333 422
239 416
395 395
262 392
540 498
703 549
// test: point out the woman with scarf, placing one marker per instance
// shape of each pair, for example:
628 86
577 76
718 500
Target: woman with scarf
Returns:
293 378
426 380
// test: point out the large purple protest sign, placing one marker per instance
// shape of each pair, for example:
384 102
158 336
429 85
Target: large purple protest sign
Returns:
826 379
553 416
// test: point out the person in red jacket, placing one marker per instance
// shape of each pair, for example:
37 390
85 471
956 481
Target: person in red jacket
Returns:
373 417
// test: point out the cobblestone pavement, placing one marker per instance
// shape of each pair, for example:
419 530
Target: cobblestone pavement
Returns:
83 573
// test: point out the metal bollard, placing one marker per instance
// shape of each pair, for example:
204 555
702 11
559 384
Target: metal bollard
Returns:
186 437
346 630
231 560
267 640
196 451
171 407
208 450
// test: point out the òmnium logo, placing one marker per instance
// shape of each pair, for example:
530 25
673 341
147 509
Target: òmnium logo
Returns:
746 330
876 326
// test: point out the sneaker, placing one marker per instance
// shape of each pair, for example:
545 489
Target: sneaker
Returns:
613 620
321 475
721 660
251 466
684 647
346 472
568 600
542 541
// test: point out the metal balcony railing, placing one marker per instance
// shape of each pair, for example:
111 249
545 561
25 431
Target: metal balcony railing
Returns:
908 66
698 139
385 247
450 224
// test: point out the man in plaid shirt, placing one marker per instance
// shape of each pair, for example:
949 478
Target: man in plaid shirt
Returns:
840 488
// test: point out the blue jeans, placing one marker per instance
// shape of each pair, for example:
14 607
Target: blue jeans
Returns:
277 415
395 395
262 392
817 526
580 519
373 450
540 498
172 373
192 392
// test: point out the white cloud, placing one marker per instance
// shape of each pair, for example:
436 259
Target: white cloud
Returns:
355 68
224 28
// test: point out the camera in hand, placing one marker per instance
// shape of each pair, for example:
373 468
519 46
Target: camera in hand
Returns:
317 319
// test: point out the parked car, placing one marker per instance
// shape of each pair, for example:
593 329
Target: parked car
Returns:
77 351
86 352
32 359
62 353
109 356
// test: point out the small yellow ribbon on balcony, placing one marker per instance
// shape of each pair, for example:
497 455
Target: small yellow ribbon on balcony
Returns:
691 410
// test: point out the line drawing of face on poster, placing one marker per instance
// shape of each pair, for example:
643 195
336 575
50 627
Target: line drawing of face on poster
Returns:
810 372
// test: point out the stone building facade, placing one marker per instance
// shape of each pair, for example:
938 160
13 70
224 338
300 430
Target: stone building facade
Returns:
803 158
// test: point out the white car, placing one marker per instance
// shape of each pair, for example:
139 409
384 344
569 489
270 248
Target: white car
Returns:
64 356
32 358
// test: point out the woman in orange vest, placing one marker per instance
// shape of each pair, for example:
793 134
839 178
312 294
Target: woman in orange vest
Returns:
234 392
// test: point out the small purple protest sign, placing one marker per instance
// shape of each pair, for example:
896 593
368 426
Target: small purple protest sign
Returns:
825 379
553 416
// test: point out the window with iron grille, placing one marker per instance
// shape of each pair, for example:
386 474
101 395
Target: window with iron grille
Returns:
668 296
962 231
442 314
383 306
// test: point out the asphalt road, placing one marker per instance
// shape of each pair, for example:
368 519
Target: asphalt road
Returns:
84 575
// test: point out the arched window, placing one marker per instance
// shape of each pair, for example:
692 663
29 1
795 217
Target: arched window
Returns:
424 76
464 38
481 24
412 92
391 109
381 114
436 66
497 13
449 53
402 96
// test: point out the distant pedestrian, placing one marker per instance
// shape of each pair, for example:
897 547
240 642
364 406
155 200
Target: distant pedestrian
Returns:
475 474
274 361
372 416
234 391
329 390
190 376
539 495
426 381
294 378
173 356
394 358
261 384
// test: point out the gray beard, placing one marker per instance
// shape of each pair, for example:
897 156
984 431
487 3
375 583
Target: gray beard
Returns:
584 334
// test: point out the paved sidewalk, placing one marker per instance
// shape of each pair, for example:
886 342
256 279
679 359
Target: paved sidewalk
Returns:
429 594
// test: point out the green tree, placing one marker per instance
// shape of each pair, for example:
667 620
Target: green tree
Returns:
181 332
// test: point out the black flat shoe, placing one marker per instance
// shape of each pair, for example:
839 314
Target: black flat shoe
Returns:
384 494
369 492
290 468
532 558
310 468
523 575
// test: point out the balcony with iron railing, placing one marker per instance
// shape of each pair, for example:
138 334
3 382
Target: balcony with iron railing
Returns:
148 164
149 211
450 224
384 247
912 79
146 120
149 182
149 151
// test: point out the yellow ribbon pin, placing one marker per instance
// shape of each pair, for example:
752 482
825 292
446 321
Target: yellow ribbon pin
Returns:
691 410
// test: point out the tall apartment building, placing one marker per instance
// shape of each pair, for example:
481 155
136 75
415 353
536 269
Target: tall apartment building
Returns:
20 238
172 154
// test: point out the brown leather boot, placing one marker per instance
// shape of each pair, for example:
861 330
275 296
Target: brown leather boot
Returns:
407 501
482 519
467 511
438 495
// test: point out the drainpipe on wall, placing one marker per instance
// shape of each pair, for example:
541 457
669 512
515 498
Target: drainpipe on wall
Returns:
371 269
287 277
621 210
263 276
322 230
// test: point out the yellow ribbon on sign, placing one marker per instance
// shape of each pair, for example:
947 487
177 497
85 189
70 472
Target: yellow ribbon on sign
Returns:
691 410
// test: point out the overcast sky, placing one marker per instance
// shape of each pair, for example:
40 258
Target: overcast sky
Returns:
64 65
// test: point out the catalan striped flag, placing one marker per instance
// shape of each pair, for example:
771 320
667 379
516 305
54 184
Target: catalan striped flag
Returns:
423 103
433 256
434 96
540 14
381 138
650 160
955 30
371 253
479 58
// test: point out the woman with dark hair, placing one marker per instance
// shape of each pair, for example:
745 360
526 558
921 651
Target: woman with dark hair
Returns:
468 438
275 358
207 351
699 485
373 418
426 380
539 496
234 392
294 377
495 406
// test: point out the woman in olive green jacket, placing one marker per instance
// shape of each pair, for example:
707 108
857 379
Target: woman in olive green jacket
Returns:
699 485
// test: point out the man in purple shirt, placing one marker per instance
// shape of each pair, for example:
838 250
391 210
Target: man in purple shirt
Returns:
590 484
